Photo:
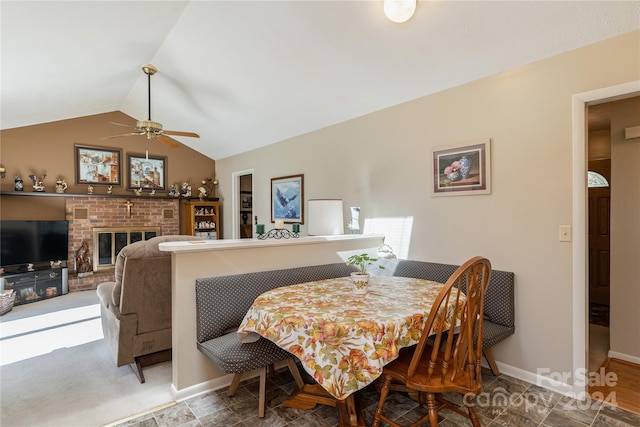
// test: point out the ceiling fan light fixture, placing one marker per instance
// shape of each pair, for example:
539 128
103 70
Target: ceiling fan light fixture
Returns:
399 11
148 125
149 128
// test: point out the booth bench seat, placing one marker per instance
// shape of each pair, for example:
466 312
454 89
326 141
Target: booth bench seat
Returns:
222 302
499 299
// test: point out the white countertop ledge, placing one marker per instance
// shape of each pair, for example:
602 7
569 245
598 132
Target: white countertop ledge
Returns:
226 244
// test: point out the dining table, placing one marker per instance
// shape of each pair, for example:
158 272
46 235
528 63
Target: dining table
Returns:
343 339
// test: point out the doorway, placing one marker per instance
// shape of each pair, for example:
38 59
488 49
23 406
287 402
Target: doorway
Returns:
580 306
242 204
599 239
246 206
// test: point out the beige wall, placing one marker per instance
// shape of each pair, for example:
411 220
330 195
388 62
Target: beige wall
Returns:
625 231
600 145
49 148
381 162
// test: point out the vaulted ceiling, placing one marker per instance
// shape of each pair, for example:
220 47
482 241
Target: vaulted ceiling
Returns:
245 74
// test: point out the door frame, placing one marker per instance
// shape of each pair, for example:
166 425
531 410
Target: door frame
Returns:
235 201
580 262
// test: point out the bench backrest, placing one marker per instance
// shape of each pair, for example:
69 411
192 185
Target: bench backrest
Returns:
499 300
223 301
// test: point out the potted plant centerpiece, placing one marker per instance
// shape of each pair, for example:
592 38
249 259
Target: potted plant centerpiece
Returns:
360 278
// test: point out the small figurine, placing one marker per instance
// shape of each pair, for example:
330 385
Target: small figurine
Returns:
89 189
18 185
173 190
29 267
186 189
55 264
83 261
138 191
209 185
152 192
203 193
38 185
110 190
61 186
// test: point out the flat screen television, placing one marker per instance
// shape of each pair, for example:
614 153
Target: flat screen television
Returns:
33 242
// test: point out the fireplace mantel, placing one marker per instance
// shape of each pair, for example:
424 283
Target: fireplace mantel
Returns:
126 196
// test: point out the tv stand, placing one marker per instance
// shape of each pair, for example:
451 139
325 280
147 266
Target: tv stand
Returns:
36 285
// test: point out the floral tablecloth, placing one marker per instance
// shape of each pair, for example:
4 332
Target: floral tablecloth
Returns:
343 339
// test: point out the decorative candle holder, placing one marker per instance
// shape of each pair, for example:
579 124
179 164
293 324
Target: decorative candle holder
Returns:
277 233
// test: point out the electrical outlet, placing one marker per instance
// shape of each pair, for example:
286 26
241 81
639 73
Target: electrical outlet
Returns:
565 233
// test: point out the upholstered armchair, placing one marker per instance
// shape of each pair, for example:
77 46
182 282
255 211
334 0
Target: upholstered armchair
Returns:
136 308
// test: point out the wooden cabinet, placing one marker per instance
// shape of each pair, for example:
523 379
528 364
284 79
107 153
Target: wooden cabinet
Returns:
201 219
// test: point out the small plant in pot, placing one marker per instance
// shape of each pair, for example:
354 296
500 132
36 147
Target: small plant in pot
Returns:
360 278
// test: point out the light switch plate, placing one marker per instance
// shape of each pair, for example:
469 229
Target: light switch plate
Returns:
565 233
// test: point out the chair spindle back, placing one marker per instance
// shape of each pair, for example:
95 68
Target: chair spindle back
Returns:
453 354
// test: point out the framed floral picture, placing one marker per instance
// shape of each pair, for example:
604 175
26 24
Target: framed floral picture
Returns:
287 199
98 165
463 169
147 172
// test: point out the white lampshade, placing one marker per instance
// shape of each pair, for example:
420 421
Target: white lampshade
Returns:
325 217
399 10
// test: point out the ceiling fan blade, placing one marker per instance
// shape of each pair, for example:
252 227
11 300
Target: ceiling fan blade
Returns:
178 133
124 134
169 142
120 124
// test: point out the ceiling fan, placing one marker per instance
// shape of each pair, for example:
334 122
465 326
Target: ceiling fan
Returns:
149 128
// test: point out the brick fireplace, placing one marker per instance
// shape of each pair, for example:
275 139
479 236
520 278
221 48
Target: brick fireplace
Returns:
85 213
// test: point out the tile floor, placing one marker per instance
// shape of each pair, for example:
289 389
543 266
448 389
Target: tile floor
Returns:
505 401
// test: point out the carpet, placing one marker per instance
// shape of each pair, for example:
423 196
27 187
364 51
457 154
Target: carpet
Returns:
56 370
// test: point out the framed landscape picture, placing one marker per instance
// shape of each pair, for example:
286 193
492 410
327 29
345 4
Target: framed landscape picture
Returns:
287 199
98 165
462 169
147 172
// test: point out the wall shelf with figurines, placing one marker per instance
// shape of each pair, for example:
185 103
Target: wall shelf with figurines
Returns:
45 194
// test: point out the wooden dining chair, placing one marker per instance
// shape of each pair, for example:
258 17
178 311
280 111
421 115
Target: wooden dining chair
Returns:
441 361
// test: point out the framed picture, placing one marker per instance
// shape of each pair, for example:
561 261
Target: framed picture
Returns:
287 199
147 171
98 165
245 201
462 169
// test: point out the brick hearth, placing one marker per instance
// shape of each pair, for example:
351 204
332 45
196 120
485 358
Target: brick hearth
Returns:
86 213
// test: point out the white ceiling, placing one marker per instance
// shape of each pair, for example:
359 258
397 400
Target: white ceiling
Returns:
245 74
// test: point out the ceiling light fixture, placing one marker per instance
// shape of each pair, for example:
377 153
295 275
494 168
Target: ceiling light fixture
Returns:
399 10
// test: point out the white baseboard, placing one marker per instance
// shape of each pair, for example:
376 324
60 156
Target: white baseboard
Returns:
622 356
214 384
539 380
201 388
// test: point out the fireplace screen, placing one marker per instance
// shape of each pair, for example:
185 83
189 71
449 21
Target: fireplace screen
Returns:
109 241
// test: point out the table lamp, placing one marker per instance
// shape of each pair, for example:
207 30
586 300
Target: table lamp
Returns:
325 217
